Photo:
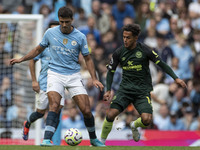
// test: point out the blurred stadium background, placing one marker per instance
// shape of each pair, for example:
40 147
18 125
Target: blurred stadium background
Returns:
171 27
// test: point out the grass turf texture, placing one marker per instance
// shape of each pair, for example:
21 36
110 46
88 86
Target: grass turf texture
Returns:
25 147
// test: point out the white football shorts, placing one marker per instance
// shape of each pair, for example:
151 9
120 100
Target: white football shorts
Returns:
42 102
58 82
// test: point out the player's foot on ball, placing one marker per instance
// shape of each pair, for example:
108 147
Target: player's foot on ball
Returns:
96 142
46 143
135 134
25 131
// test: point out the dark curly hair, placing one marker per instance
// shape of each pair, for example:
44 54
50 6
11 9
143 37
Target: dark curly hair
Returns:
134 28
65 12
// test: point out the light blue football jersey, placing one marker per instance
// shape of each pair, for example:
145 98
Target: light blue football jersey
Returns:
45 59
65 49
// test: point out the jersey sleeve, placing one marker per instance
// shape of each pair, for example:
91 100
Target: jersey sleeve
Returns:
38 57
152 55
84 46
45 41
111 69
114 61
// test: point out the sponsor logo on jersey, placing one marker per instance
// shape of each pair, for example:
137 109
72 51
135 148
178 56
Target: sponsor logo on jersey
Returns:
130 63
138 54
74 43
65 41
64 51
131 67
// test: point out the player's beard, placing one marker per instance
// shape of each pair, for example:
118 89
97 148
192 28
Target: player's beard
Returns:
130 47
66 30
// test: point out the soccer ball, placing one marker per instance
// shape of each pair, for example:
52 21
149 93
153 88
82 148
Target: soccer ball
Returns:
73 137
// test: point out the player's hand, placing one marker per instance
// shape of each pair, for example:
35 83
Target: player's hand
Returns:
107 96
13 61
181 83
36 86
98 84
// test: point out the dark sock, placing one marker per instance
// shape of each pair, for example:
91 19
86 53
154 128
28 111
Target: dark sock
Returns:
89 123
58 118
32 118
51 124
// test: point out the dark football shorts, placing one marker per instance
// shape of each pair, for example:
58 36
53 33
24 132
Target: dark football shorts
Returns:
142 103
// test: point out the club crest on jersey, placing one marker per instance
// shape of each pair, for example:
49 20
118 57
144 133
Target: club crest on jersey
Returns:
65 41
138 54
74 43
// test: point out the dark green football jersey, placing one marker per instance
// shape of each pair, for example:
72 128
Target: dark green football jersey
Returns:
136 77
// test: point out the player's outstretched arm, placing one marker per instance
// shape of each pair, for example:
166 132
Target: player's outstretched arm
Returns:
34 52
35 84
92 71
170 72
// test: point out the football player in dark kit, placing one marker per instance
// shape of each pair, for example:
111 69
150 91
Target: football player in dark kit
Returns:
136 83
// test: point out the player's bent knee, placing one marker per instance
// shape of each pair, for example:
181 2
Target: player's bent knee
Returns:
147 119
41 111
147 122
110 117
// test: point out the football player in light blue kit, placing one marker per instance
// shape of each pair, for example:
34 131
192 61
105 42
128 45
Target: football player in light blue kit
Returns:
40 88
65 43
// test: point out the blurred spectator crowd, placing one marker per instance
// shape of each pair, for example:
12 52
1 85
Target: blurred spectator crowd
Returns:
170 27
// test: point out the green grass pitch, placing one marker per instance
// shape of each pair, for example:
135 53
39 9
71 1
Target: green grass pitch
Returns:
25 147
